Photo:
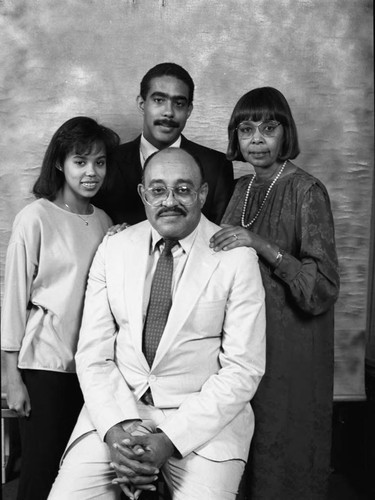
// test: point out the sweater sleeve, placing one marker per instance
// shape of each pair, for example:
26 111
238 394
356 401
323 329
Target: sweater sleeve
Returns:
20 268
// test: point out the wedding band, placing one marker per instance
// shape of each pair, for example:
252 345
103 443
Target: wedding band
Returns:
235 236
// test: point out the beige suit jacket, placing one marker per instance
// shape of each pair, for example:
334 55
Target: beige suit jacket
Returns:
211 356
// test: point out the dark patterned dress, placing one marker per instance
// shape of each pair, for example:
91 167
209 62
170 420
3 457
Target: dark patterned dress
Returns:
290 451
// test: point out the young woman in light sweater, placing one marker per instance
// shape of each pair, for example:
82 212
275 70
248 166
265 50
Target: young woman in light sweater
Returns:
50 251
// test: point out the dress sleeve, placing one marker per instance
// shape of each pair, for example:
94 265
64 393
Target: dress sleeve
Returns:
312 274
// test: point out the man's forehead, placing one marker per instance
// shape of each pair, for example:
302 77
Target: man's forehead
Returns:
176 97
172 166
168 85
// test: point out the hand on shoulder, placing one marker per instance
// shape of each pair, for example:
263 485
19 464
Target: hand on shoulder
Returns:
117 228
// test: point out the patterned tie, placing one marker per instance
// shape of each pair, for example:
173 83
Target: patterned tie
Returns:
160 302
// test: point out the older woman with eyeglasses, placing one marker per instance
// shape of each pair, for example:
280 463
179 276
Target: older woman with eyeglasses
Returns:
284 213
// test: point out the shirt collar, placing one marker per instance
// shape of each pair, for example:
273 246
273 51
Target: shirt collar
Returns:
147 149
186 243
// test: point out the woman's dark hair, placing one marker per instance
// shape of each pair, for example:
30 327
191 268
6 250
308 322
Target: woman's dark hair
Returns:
167 69
79 135
261 104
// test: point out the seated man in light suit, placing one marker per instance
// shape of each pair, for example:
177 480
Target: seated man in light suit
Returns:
177 401
166 103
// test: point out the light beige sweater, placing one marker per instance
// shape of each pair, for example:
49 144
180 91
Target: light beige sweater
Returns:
47 263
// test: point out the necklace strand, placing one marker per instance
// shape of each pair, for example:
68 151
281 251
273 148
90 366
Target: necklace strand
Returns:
264 199
80 216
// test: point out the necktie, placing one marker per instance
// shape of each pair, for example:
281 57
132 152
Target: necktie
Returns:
160 302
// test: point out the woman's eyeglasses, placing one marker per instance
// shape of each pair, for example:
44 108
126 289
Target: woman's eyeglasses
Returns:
247 130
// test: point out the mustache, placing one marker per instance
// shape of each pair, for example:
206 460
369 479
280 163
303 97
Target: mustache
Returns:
177 210
167 123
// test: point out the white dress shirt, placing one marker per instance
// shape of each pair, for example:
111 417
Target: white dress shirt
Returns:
180 254
146 149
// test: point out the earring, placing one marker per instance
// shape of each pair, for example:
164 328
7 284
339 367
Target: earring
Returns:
59 167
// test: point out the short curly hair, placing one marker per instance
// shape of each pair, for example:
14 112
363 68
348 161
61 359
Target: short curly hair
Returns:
167 69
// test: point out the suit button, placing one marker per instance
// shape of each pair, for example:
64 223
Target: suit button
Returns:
151 378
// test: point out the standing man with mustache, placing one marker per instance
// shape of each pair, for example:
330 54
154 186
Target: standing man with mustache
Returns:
166 102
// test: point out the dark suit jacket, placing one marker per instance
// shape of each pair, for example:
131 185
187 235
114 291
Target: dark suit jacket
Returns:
122 202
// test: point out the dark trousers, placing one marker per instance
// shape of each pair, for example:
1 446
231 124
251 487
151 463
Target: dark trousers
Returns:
56 401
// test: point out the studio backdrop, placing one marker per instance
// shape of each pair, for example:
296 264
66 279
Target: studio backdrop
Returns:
80 57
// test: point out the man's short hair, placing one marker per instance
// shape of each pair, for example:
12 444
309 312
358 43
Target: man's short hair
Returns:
167 69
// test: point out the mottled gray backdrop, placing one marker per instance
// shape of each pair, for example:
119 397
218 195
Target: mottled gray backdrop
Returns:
81 57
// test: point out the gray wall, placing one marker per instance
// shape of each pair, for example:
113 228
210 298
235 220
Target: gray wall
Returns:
61 59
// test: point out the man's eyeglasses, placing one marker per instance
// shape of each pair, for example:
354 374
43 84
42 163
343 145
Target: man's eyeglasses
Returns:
246 130
155 196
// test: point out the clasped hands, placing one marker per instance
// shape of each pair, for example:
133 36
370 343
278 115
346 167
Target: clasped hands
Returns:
137 459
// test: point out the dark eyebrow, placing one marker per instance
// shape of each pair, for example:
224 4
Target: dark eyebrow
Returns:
167 96
178 181
84 155
185 181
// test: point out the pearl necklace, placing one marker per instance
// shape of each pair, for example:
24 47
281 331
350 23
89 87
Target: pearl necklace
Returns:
264 200
84 220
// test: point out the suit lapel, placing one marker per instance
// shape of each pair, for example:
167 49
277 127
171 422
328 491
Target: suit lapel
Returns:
189 289
130 164
185 143
134 281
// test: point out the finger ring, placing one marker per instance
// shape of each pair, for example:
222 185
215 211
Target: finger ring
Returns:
235 236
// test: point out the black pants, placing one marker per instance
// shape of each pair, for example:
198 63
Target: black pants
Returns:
56 401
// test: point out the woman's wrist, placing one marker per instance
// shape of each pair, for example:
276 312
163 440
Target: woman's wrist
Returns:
272 254
278 259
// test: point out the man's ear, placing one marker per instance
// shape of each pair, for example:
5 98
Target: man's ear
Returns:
190 109
140 189
141 104
203 192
